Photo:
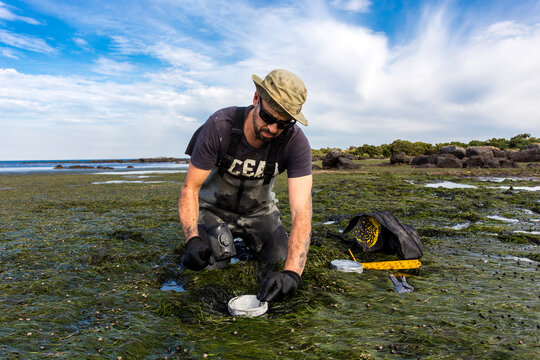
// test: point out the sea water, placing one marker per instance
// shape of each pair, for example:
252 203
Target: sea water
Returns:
48 166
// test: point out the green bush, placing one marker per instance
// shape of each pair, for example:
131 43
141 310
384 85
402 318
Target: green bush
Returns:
422 148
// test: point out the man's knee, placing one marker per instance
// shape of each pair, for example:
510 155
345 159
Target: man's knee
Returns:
275 247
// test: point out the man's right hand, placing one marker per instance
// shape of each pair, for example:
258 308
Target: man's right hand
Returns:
197 254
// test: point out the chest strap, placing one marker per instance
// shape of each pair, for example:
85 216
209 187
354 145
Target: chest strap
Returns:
235 138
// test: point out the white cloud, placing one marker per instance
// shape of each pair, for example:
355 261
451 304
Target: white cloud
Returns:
110 67
25 42
9 53
182 57
442 84
352 5
7 14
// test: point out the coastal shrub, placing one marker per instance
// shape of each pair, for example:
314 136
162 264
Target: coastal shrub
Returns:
517 142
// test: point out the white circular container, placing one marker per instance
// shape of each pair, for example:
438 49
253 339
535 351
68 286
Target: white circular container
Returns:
247 305
347 266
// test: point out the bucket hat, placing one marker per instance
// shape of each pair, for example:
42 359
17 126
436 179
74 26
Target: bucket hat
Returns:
285 89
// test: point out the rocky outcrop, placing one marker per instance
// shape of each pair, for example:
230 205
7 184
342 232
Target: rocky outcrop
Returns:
400 158
530 153
480 161
448 161
457 151
473 157
437 160
338 160
485 151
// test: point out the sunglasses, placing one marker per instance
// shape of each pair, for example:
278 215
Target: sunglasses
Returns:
269 119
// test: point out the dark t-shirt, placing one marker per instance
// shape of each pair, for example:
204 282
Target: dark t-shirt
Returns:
212 141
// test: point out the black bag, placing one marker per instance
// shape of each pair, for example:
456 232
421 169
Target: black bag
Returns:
382 231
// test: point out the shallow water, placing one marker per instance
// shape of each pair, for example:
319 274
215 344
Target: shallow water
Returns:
171 285
450 185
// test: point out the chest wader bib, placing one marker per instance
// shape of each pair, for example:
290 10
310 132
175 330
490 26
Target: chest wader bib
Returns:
238 192
242 186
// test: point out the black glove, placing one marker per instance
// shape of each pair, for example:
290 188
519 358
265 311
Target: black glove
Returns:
197 254
278 284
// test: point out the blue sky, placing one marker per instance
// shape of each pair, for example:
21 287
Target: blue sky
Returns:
125 79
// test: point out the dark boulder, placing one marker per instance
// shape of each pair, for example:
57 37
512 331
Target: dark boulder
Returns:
400 158
59 167
80 167
484 151
499 153
477 161
420 160
105 167
530 153
315 167
532 147
448 161
338 160
457 151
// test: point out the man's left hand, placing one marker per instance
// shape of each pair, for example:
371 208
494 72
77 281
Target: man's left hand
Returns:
278 284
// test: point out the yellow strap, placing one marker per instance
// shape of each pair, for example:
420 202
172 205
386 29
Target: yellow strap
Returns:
352 256
388 265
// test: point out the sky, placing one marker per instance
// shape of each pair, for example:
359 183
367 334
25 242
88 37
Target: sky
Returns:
128 79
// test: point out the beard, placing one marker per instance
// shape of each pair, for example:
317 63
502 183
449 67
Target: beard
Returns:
263 130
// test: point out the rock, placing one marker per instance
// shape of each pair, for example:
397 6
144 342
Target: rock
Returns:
420 160
130 166
59 167
400 158
530 153
533 165
457 151
315 167
478 161
346 163
498 153
338 160
105 167
80 167
485 151
532 147
448 161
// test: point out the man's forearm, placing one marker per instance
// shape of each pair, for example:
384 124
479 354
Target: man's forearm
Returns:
299 241
188 210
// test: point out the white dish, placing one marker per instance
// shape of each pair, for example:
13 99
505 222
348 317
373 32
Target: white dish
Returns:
347 266
247 305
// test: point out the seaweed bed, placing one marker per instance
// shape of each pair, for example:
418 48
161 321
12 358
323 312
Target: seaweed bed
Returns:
82 266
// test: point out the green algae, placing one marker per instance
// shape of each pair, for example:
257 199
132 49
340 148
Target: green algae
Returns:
81 266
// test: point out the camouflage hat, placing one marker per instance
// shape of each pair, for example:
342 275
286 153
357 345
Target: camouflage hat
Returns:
285 89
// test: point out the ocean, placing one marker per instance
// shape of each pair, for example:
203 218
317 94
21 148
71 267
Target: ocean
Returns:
91 166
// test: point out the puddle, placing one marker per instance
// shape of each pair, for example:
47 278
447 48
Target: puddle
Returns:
526 188
461 226
409 182
502 218
450 185
515 258
171 285
8 188
140 172
329 222
501 179
126 182
528 232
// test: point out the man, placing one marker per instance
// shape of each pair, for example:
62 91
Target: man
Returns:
235 157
